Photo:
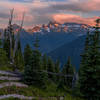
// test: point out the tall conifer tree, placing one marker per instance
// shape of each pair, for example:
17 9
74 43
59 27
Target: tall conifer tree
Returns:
19 60
51 68
6 43
3 57
27 55
57 70
89 76
44 68
28 72
68 70
33 74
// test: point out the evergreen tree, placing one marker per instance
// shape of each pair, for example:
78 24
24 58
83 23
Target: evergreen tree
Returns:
51 68
3 57
60 78
57 66
34 68
19 60
89 76
28 71
6 43
44 62
33 74
57 70
68 70
0 43
44 75
38 74
36 62
28 75
27 55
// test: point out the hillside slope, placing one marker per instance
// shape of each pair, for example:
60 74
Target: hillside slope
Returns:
72 49
12 89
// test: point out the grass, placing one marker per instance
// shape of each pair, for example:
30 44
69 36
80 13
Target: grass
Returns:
6 68
16 90
33 99
2 81
11 99
51 90
7 75
35 92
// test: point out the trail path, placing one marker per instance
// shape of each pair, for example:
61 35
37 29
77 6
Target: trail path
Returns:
9 73
10 78
5 84
22 97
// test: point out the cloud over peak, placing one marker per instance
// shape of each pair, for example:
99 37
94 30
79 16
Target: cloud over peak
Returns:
42 11
62 18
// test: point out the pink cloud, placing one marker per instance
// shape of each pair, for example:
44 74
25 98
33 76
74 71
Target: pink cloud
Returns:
48 11
93 5
83 6
61 18
18 9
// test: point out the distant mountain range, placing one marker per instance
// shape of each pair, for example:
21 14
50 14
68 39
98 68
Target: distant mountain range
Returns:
57 40
56 27
54 35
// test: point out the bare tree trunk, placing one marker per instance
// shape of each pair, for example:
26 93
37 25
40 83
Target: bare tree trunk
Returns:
10 32
18 36
10 28
16 41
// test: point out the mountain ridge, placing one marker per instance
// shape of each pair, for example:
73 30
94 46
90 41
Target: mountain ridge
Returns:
56 27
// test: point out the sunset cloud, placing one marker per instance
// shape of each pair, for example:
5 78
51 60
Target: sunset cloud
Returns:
78 6
43 11
62 18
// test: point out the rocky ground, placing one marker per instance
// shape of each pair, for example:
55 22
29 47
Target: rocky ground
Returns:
12 79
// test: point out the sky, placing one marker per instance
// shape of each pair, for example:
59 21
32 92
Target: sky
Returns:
42 11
